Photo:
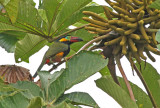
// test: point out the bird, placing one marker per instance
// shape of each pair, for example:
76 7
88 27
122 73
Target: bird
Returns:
58 50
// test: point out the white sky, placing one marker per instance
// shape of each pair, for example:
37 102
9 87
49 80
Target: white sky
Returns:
103 100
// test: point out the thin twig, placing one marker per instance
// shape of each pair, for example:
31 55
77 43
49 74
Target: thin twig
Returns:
92 41
72 30
145 85
124 77
55 66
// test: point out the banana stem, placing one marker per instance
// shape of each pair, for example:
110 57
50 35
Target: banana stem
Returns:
124 77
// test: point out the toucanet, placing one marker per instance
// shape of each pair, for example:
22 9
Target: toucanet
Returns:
57 51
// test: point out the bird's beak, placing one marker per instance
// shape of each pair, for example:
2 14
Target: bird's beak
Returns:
75 39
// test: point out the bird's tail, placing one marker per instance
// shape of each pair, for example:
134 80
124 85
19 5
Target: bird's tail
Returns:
39 68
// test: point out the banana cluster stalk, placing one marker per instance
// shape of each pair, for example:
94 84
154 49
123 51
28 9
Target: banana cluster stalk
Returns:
130 19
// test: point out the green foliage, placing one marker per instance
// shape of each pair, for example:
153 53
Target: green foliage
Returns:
78 98
24 30
151 77
12 10
112 89
51 92
28 46
155 4
52 19
142 99
8 39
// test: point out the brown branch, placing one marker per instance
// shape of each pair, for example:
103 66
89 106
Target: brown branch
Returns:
92 41
124 77
145 85
55 66
72 30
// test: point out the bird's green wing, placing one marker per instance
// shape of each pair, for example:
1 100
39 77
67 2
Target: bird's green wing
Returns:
55 48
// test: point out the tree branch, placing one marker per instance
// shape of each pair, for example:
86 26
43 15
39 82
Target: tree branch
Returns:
124 77
92 41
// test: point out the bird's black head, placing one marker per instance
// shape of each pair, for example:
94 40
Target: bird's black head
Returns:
69 39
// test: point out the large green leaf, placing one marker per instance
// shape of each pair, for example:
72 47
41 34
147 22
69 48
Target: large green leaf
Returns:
68 10
5 88
155 4
36 102
78 98
8 39
51 7
151 77
8 42
28 46
46 78
79 68
116 92
30 86
77 16
14 100
12 9
142 99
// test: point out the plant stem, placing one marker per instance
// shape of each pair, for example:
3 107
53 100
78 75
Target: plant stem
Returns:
72 30
124 77
92 41
111 67
145 85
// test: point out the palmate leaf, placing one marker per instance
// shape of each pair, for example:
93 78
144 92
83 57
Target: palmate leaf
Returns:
68 10
28 46
28 18
51 7
12 9
78 98
8 40
79 68
151 77
116 92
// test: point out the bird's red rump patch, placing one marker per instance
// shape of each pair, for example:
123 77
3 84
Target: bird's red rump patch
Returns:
47 61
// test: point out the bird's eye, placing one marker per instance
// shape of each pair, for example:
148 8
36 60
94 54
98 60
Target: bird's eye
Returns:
68 37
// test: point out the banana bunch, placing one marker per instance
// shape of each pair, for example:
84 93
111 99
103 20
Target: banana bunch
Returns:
132 21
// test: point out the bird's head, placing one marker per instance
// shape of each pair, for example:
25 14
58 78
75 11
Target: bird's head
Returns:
69 39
